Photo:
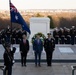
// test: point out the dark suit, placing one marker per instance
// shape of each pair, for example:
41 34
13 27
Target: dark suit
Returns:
24 48
49 46
37 47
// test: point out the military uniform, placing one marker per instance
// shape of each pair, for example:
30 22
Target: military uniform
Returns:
61 36
8 61
49 46
72 34
56 36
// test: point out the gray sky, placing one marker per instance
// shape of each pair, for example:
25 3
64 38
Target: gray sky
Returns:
39 4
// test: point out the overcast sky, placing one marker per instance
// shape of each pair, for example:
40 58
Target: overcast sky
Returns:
39 4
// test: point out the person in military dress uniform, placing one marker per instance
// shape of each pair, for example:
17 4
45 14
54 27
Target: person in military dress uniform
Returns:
72 34
56 35
8 59
49 46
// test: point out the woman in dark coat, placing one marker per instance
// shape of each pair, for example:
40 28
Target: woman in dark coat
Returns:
24 48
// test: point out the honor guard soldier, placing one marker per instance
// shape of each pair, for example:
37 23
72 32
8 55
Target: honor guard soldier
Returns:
72 34
49 46
8 59
61 36
56 35
68 37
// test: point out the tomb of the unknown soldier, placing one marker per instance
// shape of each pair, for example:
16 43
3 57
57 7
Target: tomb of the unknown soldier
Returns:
64 55
38 37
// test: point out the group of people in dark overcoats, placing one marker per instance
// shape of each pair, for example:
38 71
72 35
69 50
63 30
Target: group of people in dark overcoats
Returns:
65 35
38 44
13 35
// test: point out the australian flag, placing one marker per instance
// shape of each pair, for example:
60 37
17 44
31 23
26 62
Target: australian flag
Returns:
17 18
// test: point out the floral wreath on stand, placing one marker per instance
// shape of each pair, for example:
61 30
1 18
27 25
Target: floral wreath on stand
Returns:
42 36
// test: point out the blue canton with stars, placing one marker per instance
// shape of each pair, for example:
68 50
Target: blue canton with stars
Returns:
17 18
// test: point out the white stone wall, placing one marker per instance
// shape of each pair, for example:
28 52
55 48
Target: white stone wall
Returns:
39 24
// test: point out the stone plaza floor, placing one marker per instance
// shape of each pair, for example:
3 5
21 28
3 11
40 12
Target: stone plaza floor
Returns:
62 52
30 69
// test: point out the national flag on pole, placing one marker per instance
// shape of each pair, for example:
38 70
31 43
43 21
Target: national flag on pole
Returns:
17 18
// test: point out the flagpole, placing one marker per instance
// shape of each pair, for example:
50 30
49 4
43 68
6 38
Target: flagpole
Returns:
10 23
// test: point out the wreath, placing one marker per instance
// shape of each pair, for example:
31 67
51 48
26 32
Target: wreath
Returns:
42 36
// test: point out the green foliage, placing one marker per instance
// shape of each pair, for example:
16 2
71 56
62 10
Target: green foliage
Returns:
51 22
41 35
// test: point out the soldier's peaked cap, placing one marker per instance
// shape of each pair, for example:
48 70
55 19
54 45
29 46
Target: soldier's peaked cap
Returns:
48 33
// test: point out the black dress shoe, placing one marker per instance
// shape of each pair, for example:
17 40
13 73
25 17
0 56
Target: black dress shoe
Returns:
22 65
25 65
49 65
35 65
39 65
